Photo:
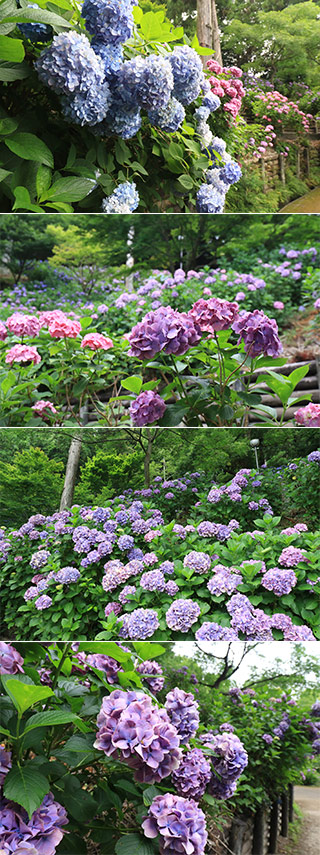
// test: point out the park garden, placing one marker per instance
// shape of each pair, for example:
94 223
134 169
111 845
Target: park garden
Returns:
137 749
153 106
95 326
145 547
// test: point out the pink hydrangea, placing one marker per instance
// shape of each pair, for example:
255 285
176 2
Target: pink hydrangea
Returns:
23 353
3 331
42 408
20 324
214 314
63 327
308 416
96 341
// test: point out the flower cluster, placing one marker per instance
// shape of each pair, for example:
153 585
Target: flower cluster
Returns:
228 760
180 824
41 833
193 774
163 330
133 730
151 673
147 408
10 660
226 84
183 711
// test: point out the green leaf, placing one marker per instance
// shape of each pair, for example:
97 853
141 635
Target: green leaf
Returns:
8 382
43 179
24 695
11 50
79 803
69 189
37 16
110 648
22 200
10 71
186 181
26 786
29 147
8 126
52 717
146 650
149 794
133 844
209 799
133 384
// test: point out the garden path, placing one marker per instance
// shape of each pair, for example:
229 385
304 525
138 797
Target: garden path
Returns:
307 204
308 799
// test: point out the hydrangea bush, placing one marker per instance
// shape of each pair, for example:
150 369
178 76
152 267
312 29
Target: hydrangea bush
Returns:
92 757
126 98
232 570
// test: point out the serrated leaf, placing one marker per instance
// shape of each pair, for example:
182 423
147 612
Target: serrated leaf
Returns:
26 786
133 384
25 695
29 147
53 717
11 50
69 189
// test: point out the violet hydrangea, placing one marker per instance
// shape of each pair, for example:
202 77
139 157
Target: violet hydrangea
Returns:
183 711
180 824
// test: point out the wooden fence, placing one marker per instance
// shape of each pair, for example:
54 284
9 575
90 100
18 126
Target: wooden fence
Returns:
273 166
256 835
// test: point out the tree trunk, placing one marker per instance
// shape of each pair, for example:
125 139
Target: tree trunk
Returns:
71 472
147 458
216 34
204 23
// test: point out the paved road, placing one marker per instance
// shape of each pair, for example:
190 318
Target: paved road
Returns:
308 799
308 204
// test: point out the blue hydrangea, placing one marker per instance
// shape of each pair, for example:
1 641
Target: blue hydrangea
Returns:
124 121
218 146
35 32
155 84
211 101
123 200
110 19
67 575
230 173
70 65
209 200
111 55
187 73
87 108
170 118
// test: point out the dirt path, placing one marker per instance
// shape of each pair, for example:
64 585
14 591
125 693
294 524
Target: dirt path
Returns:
308 204
308 799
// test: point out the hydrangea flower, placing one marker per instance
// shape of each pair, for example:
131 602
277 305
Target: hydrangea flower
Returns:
147 408
224 581
5 763
153 580
291 556
210 631
134 731
163 330
123 200
111 20
183 711
22 353
182 614
41 833
200 562
87 108
155 84
35 32
70 65
209 200
279 581
229 759
21 325
43 602
67 575
180 824
192 776
230 173
214 314
151 673
140 624
259 333
109 666
10 660
96 341
39 559
308 416
169 118
42 408
187 73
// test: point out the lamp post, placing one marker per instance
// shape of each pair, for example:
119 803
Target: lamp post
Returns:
130 259
254 444
181 238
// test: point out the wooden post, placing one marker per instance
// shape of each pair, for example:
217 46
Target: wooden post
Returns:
236 836
298 162
291 798
284 814
273 836
263 173
258 833
282 168
307 161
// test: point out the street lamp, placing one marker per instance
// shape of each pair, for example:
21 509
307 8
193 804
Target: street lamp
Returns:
254 443
181 237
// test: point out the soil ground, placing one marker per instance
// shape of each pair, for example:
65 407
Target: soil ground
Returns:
308 843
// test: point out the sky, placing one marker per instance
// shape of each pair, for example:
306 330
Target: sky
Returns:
262 656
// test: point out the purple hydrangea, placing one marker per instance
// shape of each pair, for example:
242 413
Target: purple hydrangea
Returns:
67 575
10 660
153 580
105 663
39 559
180 824
224 581
125 542
127 593
291 556
200 562
43 602
116 573
30 593
140 624
182 614
259 333
5 764
163 330
193 775
267 738
229 758
169 118
151 673
171 588
183 711
279 581
210 631
113 608
134 731
147 408
41 833
315 709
